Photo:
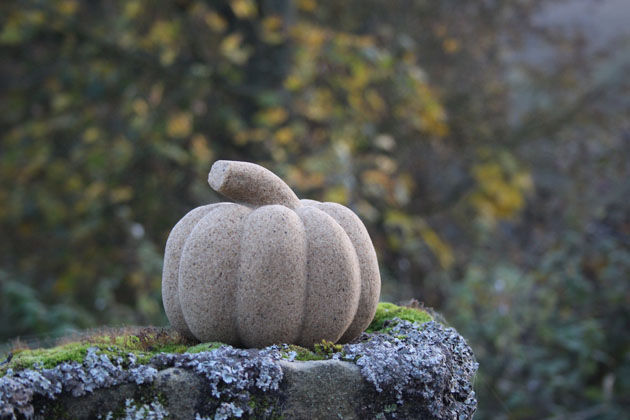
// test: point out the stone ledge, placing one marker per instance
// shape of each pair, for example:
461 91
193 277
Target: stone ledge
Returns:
406 371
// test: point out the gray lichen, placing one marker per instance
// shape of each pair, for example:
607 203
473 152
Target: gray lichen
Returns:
17 389
411 361
133 411
232 375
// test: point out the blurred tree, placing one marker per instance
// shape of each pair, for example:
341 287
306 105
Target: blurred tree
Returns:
489 181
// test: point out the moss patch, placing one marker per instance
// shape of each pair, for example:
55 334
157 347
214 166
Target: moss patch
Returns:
203 347
23 358
385 312
144 343
301 353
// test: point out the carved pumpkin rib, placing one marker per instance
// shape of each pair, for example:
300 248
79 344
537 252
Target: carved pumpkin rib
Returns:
172 257
208 267
369 271
332 290
271 277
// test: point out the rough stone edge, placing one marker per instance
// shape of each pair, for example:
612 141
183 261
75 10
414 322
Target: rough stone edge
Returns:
412 370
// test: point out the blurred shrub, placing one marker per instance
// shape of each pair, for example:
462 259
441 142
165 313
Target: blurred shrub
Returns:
24 314
549 339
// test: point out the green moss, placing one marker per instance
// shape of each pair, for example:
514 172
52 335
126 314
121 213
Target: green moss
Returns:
71 352
387 311
204 347
303 354
144 343
23 359
327 348
264 406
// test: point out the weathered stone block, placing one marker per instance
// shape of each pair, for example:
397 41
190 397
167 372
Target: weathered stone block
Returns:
404 370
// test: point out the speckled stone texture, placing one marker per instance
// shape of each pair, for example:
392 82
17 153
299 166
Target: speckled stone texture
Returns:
269 268
407 371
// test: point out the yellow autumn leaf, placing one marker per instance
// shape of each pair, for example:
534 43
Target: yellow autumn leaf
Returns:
400 220
311 36
360 76
91 134
61 101
140 107
168 56
11 32
337 194
440 30
231 47
293 82
272 116
242 137
450 45
524 181
487 171
179 125
303 180
132 8
320 104
307 5
376 177
35 17
200 149
284 135
375 101
499 195
67 7
215 21
272 23
94 190
74 183
439 248
243 9
355 100
163 33
272 29
136 279
121 194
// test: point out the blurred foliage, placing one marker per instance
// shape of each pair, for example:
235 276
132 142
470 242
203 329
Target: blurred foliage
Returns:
553 338
491 184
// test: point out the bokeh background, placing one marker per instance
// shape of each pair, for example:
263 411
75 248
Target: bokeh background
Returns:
486 145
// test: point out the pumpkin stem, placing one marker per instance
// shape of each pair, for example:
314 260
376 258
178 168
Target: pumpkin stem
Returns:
248 183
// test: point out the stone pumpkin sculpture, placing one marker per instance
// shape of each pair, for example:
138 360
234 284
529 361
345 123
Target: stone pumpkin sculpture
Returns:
269 268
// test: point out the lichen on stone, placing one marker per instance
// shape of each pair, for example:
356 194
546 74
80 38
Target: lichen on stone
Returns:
133 411
17 389
411 361
232 375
